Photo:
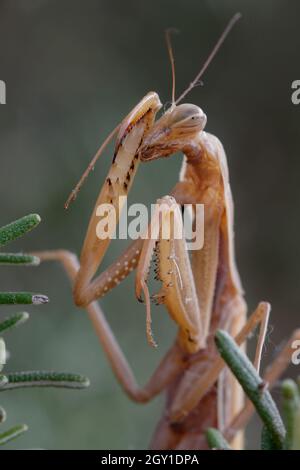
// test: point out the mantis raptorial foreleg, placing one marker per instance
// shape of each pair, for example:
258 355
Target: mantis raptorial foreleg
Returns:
117 184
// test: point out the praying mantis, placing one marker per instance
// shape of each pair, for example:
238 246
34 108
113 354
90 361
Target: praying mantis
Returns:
201 291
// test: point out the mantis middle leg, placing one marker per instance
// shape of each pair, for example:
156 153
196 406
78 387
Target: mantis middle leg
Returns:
171 365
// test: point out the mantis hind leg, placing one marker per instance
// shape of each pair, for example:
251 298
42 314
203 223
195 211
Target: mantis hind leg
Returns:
187 398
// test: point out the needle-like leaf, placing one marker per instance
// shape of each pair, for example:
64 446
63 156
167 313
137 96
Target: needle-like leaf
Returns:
13 320
12 433
22 298
18 228
44 379
2 415
19 259
3 380
2 354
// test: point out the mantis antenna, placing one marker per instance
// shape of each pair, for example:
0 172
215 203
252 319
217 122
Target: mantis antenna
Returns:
211 56
168 33
90 167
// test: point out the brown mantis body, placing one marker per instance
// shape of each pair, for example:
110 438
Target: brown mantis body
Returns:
201 293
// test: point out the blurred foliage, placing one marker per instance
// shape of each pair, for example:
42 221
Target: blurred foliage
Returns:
14 380
73 69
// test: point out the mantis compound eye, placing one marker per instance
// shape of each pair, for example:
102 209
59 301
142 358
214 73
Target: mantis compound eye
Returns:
187 117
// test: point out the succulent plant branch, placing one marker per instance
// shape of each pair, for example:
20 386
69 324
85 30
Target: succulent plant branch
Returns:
253 385
291 407
13 380
267 442
216 440
277 433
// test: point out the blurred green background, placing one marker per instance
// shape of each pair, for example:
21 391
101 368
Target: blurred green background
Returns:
73 69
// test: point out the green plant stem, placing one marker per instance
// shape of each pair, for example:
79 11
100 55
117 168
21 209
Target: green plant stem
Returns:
44 379
18 228
253 386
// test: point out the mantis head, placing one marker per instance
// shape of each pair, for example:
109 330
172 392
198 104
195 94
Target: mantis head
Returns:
172 131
